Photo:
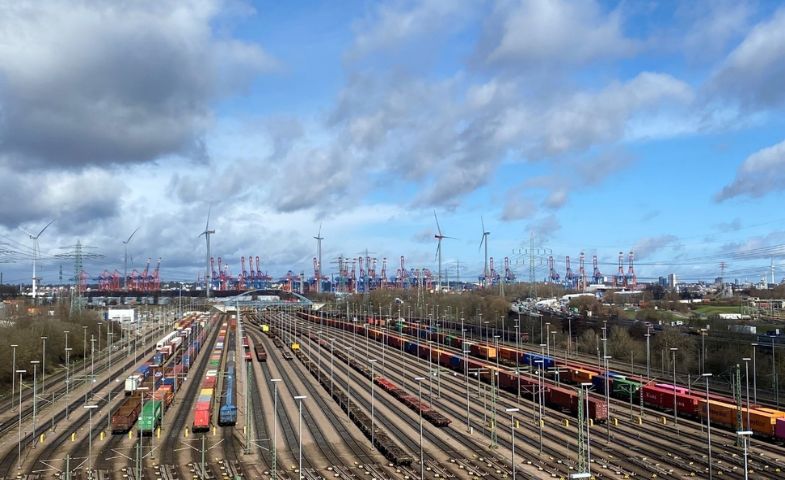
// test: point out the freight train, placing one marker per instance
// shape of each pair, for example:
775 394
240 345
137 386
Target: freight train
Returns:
162 387
557 397
203 409
227 413
764 422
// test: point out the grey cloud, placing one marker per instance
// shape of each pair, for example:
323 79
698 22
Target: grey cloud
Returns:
95 83
545 228
732 226
393 25
530 35
650 245
518 207
752 74
75 199
760 173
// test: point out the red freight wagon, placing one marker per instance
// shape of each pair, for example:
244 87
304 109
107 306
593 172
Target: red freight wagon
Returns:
202 414
662 398
125 416
567 399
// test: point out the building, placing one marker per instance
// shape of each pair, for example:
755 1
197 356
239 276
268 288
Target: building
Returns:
672 282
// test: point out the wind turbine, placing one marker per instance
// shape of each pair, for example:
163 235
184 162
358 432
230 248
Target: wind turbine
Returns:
319 239
484 240
207 232
439 237
125 262
34 238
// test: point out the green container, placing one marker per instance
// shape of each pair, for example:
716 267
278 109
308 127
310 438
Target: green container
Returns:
623 388
150 417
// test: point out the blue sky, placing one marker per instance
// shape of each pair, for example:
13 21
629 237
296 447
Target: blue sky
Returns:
596 126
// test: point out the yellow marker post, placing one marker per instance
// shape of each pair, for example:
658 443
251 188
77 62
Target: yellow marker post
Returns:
130 434
73 437
158 432
566 422
615 422
102 435
640 420
186 432
215 431
42 438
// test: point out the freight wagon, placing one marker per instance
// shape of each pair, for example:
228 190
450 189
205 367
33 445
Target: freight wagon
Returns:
150 417
124 418
227 414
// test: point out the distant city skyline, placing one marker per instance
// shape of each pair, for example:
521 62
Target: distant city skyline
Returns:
598 127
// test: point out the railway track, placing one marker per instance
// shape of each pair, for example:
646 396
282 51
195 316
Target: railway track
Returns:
685 463
7 464
486 463
428 435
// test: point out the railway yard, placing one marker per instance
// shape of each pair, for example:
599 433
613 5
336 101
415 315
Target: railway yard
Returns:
289 394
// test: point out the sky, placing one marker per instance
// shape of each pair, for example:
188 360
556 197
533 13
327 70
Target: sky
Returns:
562 126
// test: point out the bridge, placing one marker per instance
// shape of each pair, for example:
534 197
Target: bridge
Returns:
264 298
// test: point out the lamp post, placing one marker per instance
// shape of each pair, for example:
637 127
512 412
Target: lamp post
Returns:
675 413
466 373
348 383
548 338
67 364
587 386
300 399
35 396
84 349
512 411
92 363
708 422
90 409
607 396
648 353
703 350
517 357
754 373
747 379
419 398
99 343
275 426
744 434
43 364
373 363
539 398
19 428
494 386
13 375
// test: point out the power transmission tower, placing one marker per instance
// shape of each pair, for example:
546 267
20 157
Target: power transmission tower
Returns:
79 254
536 258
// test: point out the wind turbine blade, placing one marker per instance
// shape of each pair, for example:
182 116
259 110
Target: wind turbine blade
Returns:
438 249
42 230
482 240
438 228
28 233
320 230
482 220
207 225
132 236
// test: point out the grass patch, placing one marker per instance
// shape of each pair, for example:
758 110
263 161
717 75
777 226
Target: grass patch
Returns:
714 309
